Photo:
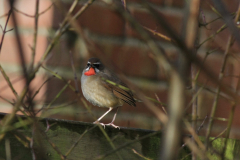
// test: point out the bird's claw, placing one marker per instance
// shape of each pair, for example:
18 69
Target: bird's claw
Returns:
102 124
111 124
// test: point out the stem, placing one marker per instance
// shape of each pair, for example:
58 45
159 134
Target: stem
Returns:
35 35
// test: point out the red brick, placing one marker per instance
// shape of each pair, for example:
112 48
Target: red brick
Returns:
179 3
18 83
102 20
214 63
157 2
231 6
10 51
28 7
98 19
147 20
220 40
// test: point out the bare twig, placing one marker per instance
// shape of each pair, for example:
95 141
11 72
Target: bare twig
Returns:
127 144
74 71
35 35
5 29
201 126
53 145
30 16
233 106
8 81
76 142
41 87
58 95
161 103
134 151
214 107
159 34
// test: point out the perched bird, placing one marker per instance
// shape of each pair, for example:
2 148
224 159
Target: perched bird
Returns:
97 89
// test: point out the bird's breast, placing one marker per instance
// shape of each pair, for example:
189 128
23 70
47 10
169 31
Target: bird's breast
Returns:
94 91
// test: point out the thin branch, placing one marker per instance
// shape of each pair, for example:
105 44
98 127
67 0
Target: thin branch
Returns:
233 106
201 126
134 151
8 81
127 144
35 35
214 107
58 95
53 145
77 141
161 104
74 71
5 29
30 16
41 87
159 34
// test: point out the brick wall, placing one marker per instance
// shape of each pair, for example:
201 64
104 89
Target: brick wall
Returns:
105 33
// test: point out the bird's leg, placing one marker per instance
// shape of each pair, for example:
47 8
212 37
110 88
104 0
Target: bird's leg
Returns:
97 121
111 124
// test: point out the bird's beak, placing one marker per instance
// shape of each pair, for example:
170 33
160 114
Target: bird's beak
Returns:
90 72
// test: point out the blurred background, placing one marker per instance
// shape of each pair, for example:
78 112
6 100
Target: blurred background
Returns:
102 32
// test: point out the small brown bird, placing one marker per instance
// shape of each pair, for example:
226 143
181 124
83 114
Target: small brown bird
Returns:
99 92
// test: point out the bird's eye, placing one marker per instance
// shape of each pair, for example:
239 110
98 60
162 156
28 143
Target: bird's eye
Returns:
96 65
88 64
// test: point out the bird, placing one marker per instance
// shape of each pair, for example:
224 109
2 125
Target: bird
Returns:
103 88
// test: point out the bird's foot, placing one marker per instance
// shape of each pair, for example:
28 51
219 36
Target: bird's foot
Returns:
102 124
111 124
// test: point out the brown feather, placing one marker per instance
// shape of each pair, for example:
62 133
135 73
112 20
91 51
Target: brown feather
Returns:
125 96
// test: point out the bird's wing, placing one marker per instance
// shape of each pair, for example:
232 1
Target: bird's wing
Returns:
124 95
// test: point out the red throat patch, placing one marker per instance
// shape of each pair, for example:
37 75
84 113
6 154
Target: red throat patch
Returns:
90 72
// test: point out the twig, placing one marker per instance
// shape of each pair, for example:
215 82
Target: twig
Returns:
159 34
134 151
214 107
218 136
15 9
127 144
201 126
31 145
9 118
61 106
63 28
194 148
8 149
8 81
41 87
35 35
12 103
53 145
48 126
5 29
222 28
161 104
4 15
74 71
76 142
59 77
58 95
233 105
227 19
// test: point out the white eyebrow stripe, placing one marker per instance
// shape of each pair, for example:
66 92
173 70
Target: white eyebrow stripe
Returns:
97 63
87 68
